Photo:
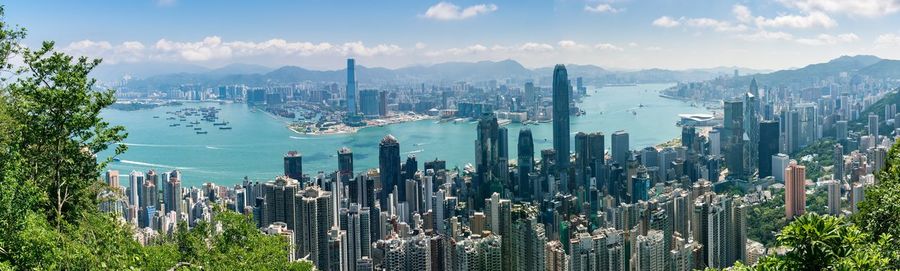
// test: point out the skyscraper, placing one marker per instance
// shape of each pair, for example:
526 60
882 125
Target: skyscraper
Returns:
834 197
389 168
345 164
768 146
620 148
734 139
751 125
293 166
172 193
561 116
313 211
279 195
838 160
873 125
487 159
794 190
525 162
779 163
351 86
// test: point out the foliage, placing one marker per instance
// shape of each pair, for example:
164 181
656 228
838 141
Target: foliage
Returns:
764 220
879 212
822 153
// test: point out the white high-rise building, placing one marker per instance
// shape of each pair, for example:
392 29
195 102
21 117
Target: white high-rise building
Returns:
834 197
779 163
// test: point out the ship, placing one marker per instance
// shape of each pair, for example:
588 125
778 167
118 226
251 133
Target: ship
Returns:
225 128
220 123
189 125
174 124
202 132
198 128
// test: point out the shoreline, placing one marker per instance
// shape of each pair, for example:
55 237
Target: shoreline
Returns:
340 128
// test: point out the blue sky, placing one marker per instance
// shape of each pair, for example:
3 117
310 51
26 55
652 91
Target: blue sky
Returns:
626 34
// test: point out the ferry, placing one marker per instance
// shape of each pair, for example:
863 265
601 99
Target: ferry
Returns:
220 123
198 128
225 128
202 132
155 117
189 125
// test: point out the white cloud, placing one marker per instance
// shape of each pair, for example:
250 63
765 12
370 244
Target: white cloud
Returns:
888 40
214 48
742 13
818 40
420 45
813 19
569 44
865 8
446 11
720 26
826 39
763 35
536 47
666 21
601 8
608 47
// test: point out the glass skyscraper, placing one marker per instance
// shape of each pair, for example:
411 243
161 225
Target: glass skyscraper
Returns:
561 116
351 86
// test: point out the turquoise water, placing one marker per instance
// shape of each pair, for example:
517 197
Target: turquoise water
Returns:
258 141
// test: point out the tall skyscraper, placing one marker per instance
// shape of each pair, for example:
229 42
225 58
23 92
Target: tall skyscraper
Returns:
345 164
351 86
735 158
172 193
779 163
487 160
794 190
561 132
768 146
525 162
751 125
293 165
389 168
838 160
834 197
620 147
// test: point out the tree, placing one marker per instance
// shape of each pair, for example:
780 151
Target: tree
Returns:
879 212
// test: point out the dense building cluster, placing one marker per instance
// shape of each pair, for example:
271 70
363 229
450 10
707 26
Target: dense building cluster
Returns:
598 207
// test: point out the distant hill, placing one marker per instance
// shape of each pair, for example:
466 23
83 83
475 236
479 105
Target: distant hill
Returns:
865 65
438 73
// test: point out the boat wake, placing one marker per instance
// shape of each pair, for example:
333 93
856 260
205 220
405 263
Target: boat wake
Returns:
138 163
415 151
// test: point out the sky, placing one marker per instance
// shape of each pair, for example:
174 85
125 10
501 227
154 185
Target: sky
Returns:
320 34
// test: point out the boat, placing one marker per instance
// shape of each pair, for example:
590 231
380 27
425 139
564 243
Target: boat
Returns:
202 132
155 117
174 124
225 128
198 128
189 125
195 122
220 123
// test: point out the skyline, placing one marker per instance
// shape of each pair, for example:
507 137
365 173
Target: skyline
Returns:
775 34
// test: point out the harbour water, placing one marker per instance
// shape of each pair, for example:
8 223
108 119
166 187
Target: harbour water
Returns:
258 141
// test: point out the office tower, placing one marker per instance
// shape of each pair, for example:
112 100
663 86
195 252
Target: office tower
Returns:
389 168
834 197
149 199
751 125
487 165
640 185
279 197
873 125
503 154
345 164
135 182
840 130
597 149
281 229
838 161
620 148
351 86
734 139
112 178
313 212
368 102
382 103
172 193
582 155
409 168
651 251
715 141
561 101
293 165
794 190
768 146
779 163
525 162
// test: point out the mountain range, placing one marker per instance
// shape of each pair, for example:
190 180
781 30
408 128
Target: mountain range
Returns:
852 67
148 77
